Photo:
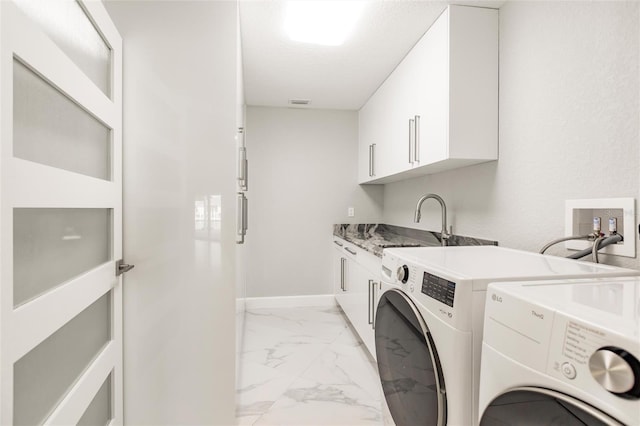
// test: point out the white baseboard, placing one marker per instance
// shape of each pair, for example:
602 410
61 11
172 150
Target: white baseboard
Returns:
290 301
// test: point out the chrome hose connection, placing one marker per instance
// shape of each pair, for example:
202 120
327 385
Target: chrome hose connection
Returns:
595 248
612 239
563 239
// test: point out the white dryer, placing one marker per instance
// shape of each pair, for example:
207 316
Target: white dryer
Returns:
428 324
562 352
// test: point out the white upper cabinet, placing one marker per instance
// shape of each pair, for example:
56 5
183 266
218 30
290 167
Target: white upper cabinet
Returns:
438 110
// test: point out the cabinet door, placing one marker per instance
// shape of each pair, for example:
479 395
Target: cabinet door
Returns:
368 284
340 278
473 83
358 305
346 296
396 94
337 270
374 129
367 136
432 101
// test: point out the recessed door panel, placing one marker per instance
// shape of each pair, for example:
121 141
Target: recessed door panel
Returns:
99 412
44 375
51 129
52 246
68 25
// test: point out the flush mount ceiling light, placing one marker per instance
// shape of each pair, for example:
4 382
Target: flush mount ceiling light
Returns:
326 22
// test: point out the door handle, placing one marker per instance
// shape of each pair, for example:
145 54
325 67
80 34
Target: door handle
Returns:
353 252
122 267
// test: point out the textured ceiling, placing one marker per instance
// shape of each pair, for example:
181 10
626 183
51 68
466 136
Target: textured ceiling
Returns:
277 69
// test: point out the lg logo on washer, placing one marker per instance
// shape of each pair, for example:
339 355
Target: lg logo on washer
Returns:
496 298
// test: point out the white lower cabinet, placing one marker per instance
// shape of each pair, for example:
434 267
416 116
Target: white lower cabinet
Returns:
357 287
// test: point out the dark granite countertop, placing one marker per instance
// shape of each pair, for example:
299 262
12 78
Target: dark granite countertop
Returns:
374 237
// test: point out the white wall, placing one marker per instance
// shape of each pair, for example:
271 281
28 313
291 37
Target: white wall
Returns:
569 127
302 178
179 127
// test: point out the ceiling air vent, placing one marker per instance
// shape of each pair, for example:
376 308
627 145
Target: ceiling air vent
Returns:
299 101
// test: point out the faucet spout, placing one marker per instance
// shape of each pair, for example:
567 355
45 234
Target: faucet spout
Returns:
417 215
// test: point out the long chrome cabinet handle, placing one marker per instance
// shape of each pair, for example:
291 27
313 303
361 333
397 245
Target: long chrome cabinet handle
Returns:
240 213
353 252
242 167
242 160
373 159
411 127
241 220
369 303
343 280
370 158
373 304
416 139
245 214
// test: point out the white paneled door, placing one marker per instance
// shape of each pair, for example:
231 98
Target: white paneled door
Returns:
60 214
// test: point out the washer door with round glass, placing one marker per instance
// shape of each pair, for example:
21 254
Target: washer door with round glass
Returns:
529 406
408 363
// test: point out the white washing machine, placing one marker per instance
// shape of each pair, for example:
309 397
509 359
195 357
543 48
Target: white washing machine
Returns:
562 352
428 326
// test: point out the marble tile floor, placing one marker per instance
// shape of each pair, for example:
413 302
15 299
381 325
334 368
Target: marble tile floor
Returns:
305 366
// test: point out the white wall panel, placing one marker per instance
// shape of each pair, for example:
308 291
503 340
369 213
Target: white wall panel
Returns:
179 128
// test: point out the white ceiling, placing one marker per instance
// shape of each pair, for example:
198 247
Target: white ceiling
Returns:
277 69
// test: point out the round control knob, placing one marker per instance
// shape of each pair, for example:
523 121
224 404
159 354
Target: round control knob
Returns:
569 370
616 370
403 274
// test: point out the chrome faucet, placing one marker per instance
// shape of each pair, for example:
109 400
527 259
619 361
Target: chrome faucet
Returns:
416 218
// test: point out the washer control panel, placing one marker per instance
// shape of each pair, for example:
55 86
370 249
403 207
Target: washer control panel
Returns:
438 288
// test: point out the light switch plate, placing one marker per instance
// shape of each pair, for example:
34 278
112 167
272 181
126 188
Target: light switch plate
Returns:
351 212
579 216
